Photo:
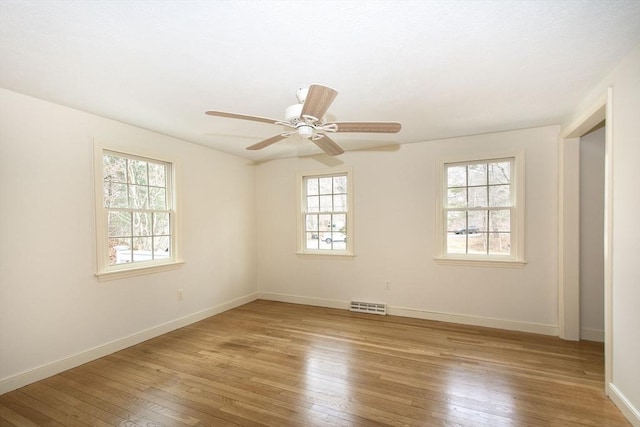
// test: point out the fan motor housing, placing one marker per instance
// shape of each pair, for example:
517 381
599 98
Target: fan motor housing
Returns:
292 113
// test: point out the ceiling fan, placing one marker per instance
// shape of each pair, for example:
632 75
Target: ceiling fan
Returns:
306 119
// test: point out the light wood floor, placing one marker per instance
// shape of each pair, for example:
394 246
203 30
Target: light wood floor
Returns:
277 364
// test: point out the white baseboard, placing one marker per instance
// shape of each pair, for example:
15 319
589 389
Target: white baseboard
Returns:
626 407
295 299
20 380
510 325
592 334
487 322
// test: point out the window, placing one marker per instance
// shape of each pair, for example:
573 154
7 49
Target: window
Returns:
325 225
135 213
481 215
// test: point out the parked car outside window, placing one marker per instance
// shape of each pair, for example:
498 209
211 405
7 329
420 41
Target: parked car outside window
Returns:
469 230
334 237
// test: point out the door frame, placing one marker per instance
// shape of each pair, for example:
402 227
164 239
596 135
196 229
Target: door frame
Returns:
569 228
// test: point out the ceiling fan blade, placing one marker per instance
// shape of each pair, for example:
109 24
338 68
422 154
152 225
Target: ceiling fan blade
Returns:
318 100
241 116
267 142
374 127
328 146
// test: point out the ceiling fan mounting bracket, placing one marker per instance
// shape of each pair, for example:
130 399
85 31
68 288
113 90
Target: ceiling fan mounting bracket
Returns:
301 94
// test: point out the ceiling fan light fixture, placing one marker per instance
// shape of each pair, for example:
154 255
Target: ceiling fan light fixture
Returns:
305 131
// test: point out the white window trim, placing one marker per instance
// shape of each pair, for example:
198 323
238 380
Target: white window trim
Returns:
517 258
300 207
105 272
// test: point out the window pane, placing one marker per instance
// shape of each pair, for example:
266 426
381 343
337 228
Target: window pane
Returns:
339 184
141 244
500 195
325 239
477 197
324 222
340 203
477 243
114 168
312 240
119 251
157 198
326 203
138 196
157 175
119 224
478 174
142 225
138 172
313 204
457 197
500 243
456 243
339 222
500 173
477 221
326 185
312 223
312 186
142 249
339 243
338 236
161 225
500 220
456 176
456 221
161 247
115 195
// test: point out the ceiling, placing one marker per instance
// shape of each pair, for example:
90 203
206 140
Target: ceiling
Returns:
441 68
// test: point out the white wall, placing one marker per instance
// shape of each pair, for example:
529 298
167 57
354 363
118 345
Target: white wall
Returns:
592 149
624 386
394 237
626 231
51 305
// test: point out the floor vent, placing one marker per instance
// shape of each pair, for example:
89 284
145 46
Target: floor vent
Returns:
368 307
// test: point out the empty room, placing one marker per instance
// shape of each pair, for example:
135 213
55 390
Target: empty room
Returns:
320 213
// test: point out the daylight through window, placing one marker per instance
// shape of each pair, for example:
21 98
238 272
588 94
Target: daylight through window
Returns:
479 207
326 212
137 201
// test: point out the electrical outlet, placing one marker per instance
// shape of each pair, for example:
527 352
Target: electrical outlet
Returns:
387 285
179 294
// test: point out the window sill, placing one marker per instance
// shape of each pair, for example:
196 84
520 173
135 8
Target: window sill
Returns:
478 262
105 276
345 256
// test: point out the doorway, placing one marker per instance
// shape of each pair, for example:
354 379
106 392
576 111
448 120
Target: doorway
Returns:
592 161
569 230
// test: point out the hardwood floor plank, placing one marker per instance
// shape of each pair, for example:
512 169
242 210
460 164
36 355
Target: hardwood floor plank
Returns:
26 411
58 399
138 394
118 416
9 418
32 400
138 406
276 364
